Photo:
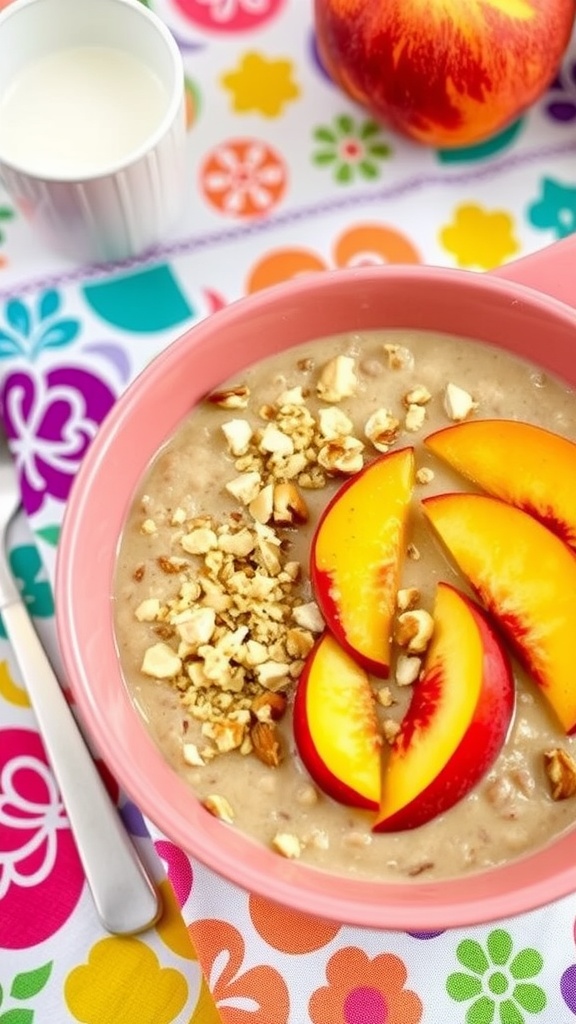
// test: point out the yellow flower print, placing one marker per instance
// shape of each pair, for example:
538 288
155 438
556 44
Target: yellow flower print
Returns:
171 927
124 982
261 85
480 238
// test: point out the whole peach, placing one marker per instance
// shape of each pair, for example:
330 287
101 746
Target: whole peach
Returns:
445 72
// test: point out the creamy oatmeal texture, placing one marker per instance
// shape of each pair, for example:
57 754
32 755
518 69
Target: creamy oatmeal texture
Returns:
214 616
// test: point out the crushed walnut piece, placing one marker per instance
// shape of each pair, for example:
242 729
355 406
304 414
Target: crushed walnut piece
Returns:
560 768
235 635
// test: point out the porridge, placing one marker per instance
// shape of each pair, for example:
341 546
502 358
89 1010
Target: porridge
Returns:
217 618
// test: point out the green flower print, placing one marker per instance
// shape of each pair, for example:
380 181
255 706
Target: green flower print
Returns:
23 987
27 567
350 148
5 214
498 982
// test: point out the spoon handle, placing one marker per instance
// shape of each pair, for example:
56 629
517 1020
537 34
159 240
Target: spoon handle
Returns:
125 897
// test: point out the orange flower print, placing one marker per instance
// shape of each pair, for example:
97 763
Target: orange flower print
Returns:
365 991
256 996
363 244
243 178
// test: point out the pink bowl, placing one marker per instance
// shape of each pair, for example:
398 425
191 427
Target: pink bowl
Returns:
507 310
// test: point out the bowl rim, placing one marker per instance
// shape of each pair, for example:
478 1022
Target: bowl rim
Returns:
522 884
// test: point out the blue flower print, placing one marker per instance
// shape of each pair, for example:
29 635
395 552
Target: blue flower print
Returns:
555 209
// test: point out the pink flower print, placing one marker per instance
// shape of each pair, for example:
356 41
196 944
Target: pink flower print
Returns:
243 178
51 420
229 15
41 878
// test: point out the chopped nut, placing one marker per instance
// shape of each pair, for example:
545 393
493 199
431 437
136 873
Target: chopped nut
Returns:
147 611
417 396
399 357
414 418
231 398
161 662
292 396
384 696
275 441
272 674
149 527
424 475
382 429
219 807
238 434
288 845
299 642
414 630
269 706
337 379
407 670
407 598
178 517
227 735
266 743
262 506
342 455
239 544
458 403
333 423
170 566
246 487
390 729
560 768
192 756
198 628
198 542
308 616
289 507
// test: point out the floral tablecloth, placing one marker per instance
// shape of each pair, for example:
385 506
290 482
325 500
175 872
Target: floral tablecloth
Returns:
285 175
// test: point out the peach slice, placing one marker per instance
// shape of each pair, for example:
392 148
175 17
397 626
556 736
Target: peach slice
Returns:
457 720
356 557
525 577
336 727
525 465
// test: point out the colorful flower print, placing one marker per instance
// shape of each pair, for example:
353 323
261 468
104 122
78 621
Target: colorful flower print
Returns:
178 867
23 987
496 983
480 238
30 329
99 991
243 178
50 420
6 214
26 567
361 990
261 85
41 878
362 245
561 97
288 930
350 149
11 691
221 949
229 15
568 987
555 209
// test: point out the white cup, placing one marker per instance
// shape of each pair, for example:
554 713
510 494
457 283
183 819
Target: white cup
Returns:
120 189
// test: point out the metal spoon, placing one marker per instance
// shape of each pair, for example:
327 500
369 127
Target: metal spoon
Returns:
124 895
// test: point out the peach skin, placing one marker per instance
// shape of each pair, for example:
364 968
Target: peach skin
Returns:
523 464
356 556
336 727
445 72
457 720
525 577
